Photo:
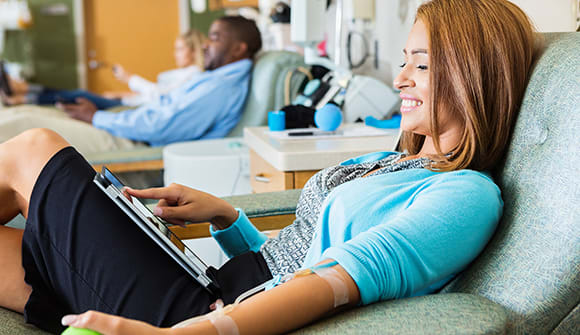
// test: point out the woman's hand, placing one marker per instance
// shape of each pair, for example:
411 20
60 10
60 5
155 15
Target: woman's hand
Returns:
179 204
121 74
108 324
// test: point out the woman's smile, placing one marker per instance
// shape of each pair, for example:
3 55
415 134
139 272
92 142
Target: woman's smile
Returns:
409 103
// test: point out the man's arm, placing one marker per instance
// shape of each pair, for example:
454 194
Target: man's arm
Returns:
83 110
183 114
175 117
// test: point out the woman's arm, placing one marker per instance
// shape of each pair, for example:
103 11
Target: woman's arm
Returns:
279 310
179 204
136 83
292 305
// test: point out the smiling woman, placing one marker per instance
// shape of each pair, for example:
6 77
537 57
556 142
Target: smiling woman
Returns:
382 226
471 84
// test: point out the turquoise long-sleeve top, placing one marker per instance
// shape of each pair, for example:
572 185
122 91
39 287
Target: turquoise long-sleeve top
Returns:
397 234
207 106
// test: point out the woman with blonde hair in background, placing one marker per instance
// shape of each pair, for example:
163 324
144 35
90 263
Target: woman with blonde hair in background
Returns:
188 54
386 225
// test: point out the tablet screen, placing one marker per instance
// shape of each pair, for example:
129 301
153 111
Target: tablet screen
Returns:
154 220
112 178
136 201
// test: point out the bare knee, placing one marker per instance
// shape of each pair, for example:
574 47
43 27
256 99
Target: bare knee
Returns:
38 138
31 147
23 157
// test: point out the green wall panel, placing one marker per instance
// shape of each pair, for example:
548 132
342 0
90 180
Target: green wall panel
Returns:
48 47
17 47
54 44
202 21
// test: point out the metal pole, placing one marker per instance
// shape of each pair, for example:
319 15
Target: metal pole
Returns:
338 33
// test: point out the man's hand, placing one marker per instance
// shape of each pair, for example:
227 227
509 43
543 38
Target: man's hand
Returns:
83 110
108 324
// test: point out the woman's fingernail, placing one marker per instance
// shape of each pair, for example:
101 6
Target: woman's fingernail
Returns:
67 320
157 211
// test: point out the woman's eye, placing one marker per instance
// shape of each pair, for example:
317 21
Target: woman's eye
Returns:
422 67
403 65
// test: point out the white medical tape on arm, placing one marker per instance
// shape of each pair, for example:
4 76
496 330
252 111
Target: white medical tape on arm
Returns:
334 279
224 325
222 322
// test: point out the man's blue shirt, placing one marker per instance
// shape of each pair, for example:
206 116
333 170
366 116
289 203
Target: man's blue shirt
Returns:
208 106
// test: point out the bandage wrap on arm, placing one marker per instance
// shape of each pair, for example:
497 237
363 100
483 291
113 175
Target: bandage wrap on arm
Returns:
225 325
222 322
332 277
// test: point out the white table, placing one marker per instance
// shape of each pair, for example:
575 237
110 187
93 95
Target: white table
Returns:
280 163
217 166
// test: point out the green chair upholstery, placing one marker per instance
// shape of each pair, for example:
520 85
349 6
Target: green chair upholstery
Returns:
268 86
527 279
532 264
267 92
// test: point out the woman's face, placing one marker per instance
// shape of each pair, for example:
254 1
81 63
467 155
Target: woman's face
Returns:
413 82
183 54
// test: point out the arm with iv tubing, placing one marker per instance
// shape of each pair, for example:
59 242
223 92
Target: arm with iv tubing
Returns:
437 235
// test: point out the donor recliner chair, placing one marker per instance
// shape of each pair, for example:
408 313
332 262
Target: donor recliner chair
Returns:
527 279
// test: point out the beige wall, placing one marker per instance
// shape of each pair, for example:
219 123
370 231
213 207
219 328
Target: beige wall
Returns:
551 15
393 21
394 18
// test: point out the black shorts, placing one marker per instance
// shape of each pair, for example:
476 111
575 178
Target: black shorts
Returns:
81 252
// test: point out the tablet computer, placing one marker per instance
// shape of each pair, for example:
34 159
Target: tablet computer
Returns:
156 228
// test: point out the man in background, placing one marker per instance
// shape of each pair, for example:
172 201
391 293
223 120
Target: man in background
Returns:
207 106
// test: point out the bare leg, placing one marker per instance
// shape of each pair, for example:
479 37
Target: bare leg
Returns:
18 86
19 93
14 292
15 99
21 161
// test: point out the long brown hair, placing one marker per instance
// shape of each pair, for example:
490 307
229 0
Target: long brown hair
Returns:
480 54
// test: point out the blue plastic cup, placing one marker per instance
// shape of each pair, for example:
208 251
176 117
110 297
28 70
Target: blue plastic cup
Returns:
276 120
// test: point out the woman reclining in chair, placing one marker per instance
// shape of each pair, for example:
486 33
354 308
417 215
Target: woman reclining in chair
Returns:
382 226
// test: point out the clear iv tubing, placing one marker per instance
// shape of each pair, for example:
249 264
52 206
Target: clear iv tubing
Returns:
277 280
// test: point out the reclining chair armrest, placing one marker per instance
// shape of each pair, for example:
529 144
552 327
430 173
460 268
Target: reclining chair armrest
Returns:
138 159
453 313
266 204
267 211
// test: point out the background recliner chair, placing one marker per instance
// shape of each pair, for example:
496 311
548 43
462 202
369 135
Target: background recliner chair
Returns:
274 82
527 279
